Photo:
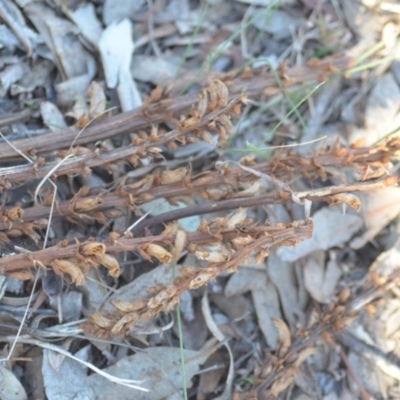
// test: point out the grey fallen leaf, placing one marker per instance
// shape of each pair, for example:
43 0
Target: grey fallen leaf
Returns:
320 280
72 89
235 307
158 369
283 276
94 293
380 207
370 376
12 73
8 39
35 76
154 70
116 47
267 306
276 22
52 116
331 229
85 19
69 52
381 111
116 10
245 280
383 104
14 18
10 387
97 99
71 305
58 384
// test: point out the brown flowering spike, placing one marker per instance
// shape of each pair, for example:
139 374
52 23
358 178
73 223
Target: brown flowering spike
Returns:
163 298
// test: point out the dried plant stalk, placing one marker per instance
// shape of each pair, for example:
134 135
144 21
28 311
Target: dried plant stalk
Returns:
237 243
227 182
253 83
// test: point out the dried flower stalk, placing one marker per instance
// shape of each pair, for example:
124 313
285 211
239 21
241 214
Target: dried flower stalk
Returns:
237 243
253 83
227 182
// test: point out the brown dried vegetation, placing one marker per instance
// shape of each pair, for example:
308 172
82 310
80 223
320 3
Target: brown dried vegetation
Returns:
228 187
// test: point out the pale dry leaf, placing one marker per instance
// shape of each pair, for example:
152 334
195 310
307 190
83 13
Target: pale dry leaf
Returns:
116 10
10 386
235 307
387 262
282 275
71 305
68 51
276 22
157 368
320 280
58 383
52 116
116 48
154 70
379 208
85 19
382 110
245 280
97 99
218 334
266 304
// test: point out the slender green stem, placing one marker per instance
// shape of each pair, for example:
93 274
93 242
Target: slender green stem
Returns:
225 44
194 34
181 349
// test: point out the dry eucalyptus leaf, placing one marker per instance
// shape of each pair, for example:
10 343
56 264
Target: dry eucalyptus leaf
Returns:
58 384
266 304
10 387
52 116
69 53
245 280
116 10
283 276
331 229
97 99
158 369
320 279
379 208
276 22
387 262
86 19
71 305
154 70
235 307
116 47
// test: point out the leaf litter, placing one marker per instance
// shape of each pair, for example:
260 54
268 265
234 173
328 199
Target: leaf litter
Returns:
127 194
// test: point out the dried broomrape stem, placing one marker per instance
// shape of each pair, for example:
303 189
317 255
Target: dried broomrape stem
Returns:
370 162
19 266
253 83
236 244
